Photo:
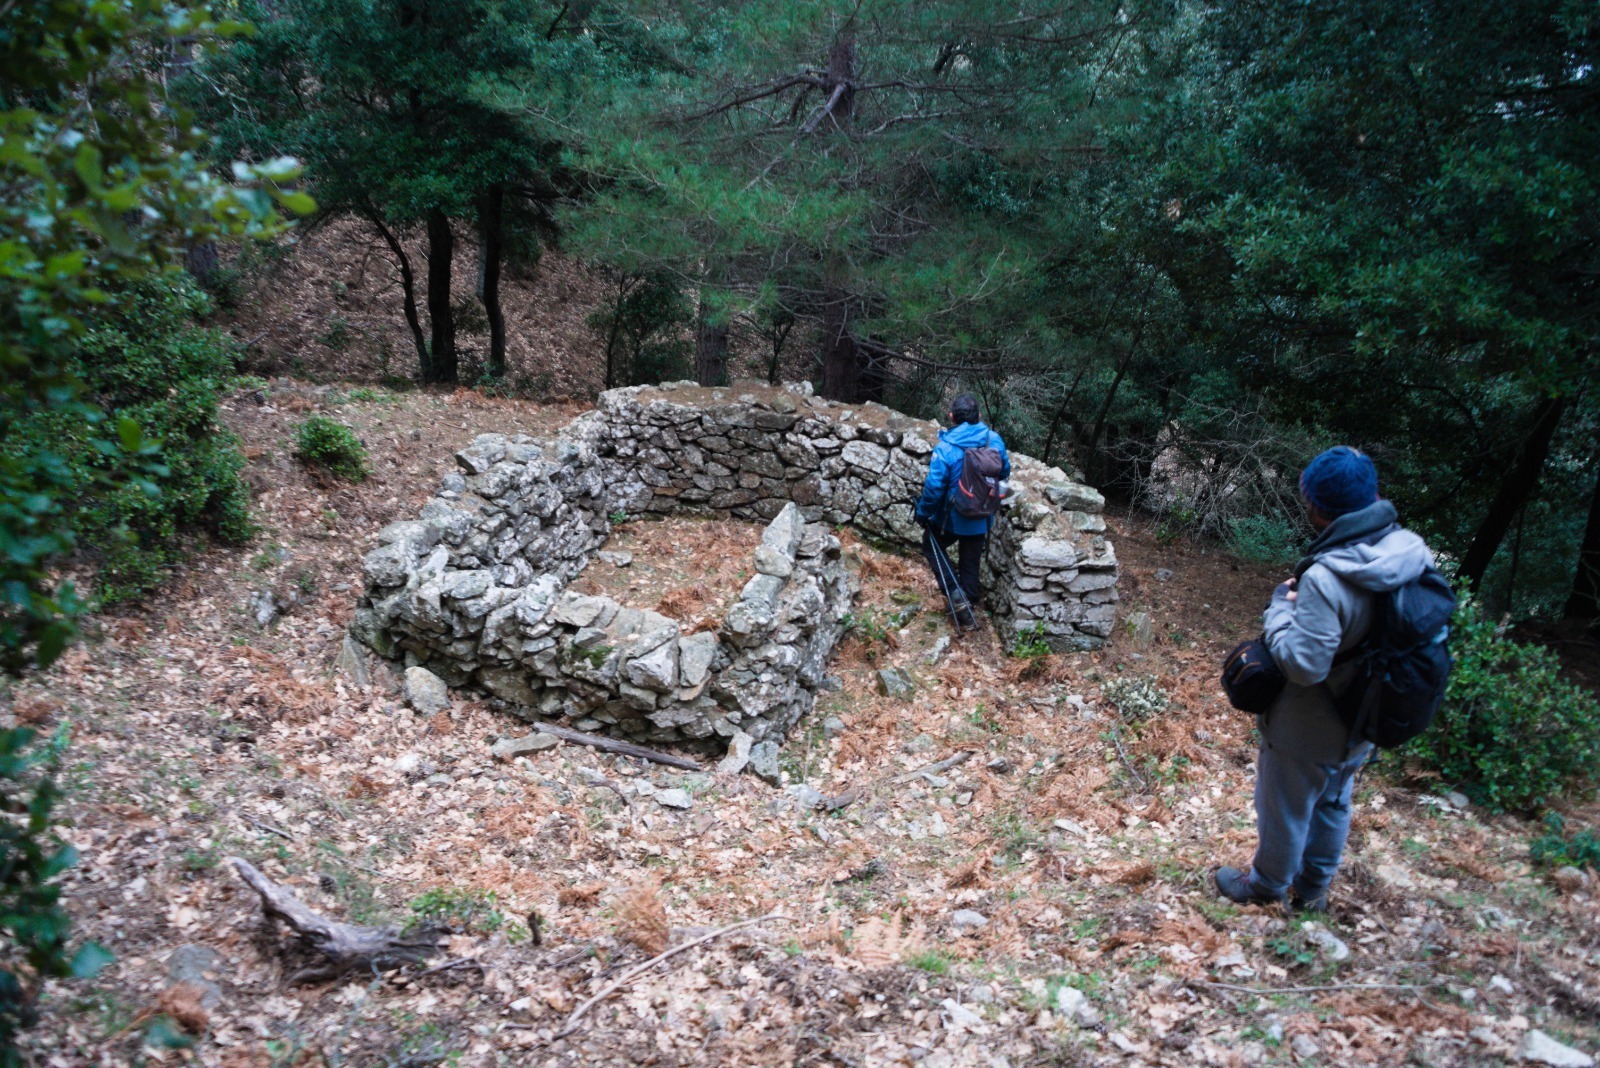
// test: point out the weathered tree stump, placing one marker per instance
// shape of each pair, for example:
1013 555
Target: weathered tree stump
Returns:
344 947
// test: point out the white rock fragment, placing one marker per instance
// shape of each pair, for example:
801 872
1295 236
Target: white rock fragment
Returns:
1540 1048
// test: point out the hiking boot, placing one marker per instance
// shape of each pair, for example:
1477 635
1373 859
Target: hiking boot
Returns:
1235 885
1315 907
965 619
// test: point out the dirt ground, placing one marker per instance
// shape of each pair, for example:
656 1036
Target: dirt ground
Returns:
1014 873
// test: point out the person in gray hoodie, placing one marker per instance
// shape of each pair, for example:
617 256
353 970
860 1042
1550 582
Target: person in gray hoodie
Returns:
1307 764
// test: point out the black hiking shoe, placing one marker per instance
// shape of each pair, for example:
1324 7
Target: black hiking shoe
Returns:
1235 885
965 619
1315 907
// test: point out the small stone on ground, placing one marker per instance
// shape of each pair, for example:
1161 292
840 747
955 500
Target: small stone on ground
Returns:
425 691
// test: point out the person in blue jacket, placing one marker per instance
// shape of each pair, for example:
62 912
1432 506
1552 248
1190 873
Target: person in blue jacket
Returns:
934 513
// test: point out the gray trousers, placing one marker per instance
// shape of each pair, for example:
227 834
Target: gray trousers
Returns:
1302 819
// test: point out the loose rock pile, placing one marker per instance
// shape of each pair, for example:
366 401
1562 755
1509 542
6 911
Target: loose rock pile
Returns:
475 589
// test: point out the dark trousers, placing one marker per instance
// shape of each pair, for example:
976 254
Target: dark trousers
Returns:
971 546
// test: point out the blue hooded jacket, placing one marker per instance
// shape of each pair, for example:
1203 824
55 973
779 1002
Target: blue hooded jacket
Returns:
944 471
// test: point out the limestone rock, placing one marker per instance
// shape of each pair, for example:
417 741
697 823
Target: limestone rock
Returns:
895 682
738 755
191 964
676 798
352 664
425 691
1540 1048
764 762
1071 1004
656 671
511 748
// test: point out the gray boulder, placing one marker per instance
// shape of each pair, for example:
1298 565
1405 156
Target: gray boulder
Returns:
425 691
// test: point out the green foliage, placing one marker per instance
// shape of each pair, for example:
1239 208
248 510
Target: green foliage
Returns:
1512 732
332 446
1032 642
1265 539
1555 848
642 328
1137 697
156 375
100 188
32 857
462 908
932 961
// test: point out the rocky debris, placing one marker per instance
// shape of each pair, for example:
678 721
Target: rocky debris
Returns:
425 691
195 964
1540 1048
764 762
807 797
675 798
937 652
1569 880
1458 799
1326 943
264 608
1141 631
352 664
958 1017
738 755
1163 574
968 920
615 559
832 727
511 748
1304 1047
1072 1004
896 683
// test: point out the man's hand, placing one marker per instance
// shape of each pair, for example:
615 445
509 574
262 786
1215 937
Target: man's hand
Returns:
1287 589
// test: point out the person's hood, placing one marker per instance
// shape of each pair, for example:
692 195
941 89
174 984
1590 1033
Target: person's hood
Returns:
1369 549
966 435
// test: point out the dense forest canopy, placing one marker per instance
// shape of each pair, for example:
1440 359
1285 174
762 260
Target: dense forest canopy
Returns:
1176 246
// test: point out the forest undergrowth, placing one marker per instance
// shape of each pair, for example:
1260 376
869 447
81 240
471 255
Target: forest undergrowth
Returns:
1045 900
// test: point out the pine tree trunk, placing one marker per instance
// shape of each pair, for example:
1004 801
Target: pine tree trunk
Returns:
408 291
841 359
1520 480
441 250
491 250
1585 600
710 349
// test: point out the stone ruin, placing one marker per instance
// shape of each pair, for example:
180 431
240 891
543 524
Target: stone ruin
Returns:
476 588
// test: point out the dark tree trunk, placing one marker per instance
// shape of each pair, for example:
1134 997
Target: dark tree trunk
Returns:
710 348
1520 480
201 262
441 250
491 250
1585 600
408 290
777 334
841 357
625 283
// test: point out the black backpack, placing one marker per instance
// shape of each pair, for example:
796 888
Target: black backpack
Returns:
976 493
1405 663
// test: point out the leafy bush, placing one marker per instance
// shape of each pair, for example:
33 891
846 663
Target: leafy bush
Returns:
1265 539
327 444
31 857
1556 849
156 375
1512 732
1137 697
1032 642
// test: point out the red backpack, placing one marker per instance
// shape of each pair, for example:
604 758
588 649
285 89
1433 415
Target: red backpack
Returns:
976 493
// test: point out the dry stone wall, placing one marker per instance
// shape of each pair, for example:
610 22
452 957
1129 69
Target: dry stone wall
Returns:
475 588
749 450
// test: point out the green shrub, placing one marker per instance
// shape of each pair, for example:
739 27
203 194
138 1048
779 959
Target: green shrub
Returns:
1032 642
157 376
1265 539
32 920
1512 732
327 444
1136 697
1555 848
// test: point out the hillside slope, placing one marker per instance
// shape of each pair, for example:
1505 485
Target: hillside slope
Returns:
934 918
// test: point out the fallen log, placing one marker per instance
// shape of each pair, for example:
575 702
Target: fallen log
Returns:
613 745
940 766
345 946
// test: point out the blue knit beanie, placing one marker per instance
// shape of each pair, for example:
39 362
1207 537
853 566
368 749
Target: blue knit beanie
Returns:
1340 480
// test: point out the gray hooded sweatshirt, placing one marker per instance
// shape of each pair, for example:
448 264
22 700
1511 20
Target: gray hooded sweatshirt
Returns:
1359 554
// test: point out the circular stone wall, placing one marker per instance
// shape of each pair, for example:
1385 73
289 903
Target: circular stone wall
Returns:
475 590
